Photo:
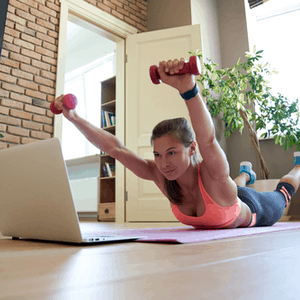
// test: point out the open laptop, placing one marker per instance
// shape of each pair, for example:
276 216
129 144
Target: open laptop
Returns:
35 196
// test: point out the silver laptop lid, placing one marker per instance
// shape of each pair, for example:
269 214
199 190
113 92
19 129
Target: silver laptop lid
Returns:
35 196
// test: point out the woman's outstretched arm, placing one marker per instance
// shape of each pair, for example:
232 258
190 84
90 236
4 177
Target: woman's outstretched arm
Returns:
110 144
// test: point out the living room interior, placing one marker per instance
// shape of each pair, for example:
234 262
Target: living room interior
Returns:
45 53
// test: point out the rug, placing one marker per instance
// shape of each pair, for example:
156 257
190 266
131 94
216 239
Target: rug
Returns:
186 235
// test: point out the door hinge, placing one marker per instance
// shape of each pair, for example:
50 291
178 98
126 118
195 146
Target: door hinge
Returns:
126 58
126 196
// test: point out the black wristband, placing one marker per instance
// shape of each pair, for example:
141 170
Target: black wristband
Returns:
190 94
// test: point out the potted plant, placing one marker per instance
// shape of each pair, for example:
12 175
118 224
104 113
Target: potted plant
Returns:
231 91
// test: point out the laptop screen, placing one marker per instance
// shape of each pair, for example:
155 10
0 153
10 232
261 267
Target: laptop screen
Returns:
3 12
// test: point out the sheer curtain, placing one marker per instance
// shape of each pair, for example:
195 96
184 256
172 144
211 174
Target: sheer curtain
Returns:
85 83
278 37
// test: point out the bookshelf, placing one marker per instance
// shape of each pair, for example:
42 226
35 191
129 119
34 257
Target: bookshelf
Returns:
106 206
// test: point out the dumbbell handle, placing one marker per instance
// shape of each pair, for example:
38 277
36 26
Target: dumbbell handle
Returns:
69 100
192 67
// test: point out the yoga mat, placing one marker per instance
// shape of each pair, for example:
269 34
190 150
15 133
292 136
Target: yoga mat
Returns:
185 235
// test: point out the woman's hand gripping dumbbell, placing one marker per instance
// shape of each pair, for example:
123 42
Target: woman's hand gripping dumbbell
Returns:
192 67
68 100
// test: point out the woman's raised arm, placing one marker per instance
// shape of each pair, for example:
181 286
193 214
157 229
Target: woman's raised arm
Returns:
210 150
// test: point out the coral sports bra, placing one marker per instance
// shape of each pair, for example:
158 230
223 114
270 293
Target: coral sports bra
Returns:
214 217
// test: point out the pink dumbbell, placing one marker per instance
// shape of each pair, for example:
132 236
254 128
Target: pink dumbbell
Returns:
69 100
193 67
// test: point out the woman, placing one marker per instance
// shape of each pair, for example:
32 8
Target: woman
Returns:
201 194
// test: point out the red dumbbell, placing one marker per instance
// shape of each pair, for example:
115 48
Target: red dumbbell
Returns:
193 67
69 100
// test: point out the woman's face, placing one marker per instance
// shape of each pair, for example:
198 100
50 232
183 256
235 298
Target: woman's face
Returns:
171 157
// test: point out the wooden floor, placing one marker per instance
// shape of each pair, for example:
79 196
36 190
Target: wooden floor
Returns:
266 266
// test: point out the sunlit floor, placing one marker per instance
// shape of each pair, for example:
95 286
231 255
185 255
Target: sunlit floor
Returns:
264 266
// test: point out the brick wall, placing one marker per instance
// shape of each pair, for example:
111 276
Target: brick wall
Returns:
133 12
29 60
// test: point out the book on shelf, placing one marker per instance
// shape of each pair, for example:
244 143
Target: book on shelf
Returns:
109 170
105 173
103 119
108 119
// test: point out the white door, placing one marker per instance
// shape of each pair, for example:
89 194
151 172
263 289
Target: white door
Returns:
148 104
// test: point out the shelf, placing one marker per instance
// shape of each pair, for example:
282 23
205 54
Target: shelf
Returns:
110 129
108 90
107 185
109 106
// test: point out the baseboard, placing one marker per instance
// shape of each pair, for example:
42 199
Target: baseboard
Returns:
285 219
87 216
294 218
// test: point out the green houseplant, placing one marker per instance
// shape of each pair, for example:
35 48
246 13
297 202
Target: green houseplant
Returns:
230 92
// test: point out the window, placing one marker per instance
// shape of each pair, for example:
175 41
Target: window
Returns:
277 34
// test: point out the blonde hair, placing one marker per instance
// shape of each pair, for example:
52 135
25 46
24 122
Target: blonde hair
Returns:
181 129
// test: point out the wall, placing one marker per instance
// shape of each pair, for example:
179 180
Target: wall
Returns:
223 24
27 71
234 43
174 13
234 29
29 61
133 12
183 13
163 14
204 12
225 31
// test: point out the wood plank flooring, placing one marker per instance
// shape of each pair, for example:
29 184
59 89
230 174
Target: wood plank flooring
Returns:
266 266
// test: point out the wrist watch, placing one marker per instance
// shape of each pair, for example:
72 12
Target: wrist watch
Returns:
191 93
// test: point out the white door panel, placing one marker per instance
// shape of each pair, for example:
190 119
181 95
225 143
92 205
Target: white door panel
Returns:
146 105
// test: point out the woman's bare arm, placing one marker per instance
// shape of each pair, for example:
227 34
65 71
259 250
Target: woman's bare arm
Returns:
110 144
211 152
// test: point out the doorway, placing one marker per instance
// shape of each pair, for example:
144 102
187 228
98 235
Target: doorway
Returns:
90 59
102 23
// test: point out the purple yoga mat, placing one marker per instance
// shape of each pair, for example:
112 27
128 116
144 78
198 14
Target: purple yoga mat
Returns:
185 235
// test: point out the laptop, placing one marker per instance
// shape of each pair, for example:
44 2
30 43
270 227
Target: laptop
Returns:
36 199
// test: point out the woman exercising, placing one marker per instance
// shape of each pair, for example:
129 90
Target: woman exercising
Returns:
202 194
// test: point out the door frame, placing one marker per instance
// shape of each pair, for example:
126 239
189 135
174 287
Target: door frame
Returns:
108 25
118 31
